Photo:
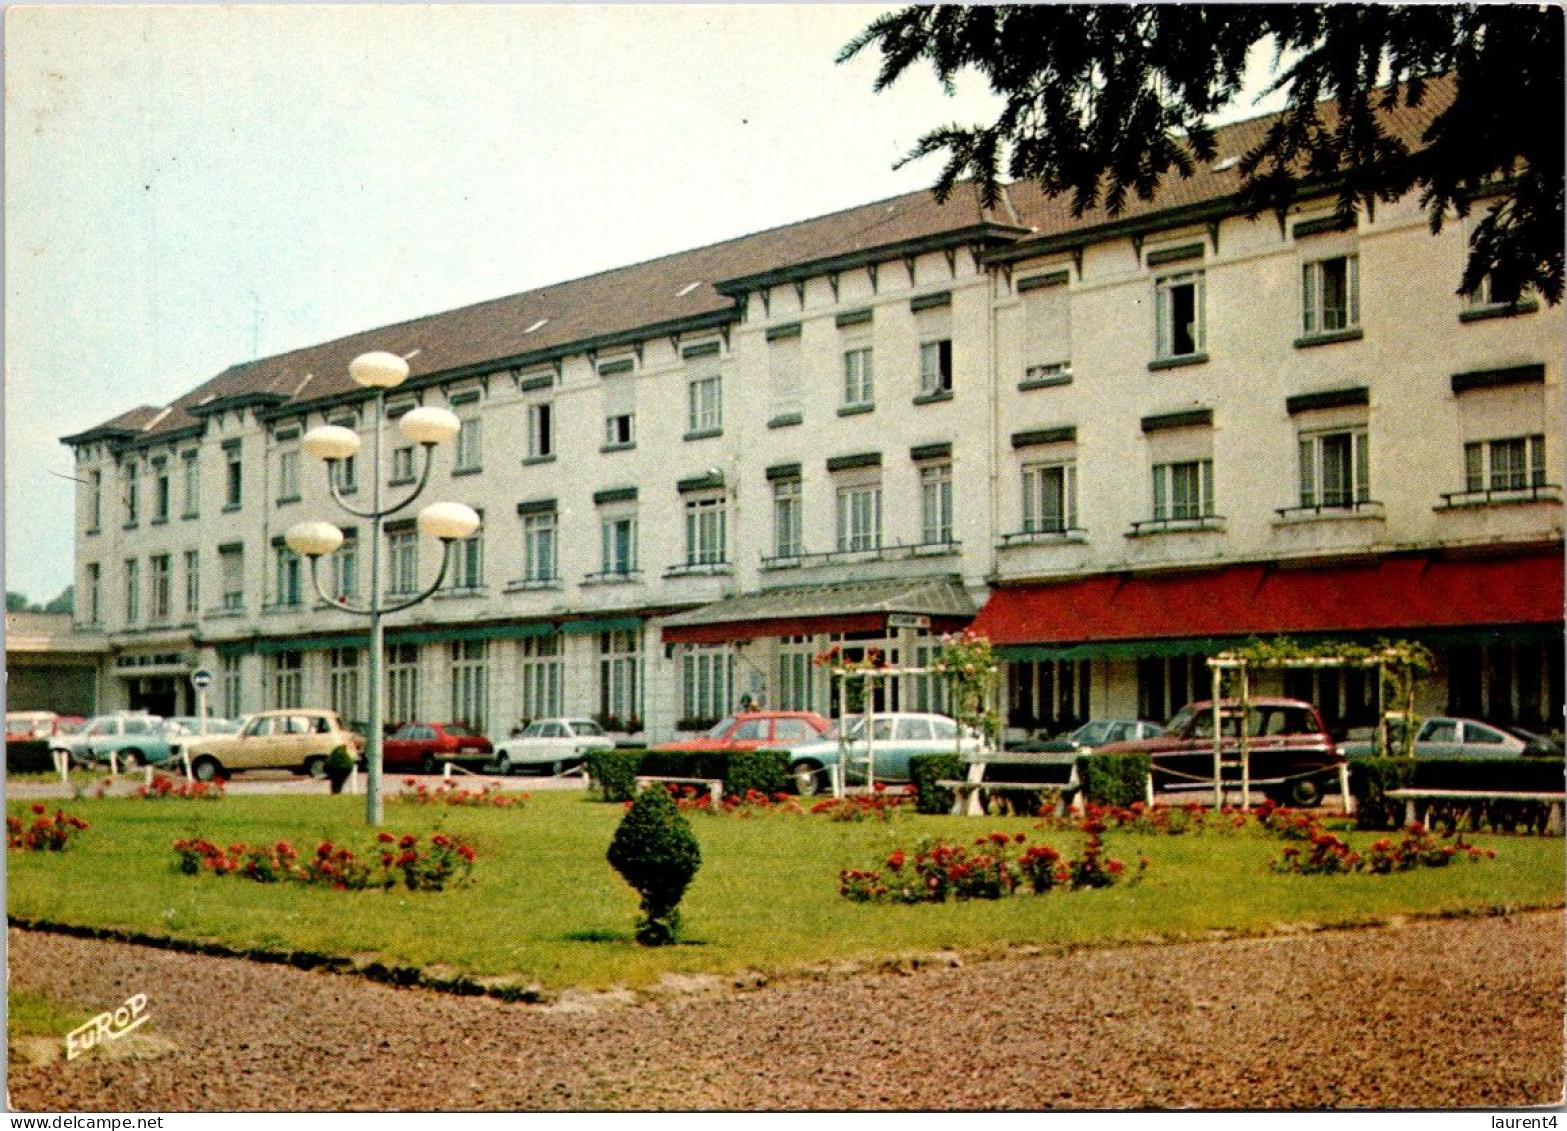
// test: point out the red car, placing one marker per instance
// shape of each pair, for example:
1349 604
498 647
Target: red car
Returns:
757 730
424 746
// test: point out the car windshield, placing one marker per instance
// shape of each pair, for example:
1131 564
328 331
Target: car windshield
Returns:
1091 734
722 728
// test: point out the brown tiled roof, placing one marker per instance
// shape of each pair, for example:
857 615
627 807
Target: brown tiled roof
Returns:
644 297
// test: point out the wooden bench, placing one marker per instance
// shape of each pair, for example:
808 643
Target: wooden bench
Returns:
714 786
1413 797
971 796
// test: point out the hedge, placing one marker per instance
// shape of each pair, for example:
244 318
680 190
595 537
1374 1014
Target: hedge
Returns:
28 756
614 772
1371 778
925 770
1114 779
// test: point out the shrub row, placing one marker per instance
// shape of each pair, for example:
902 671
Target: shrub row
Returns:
614 772
28 756
1370 779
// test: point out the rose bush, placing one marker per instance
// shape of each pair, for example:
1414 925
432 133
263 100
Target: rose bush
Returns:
445 861
44 833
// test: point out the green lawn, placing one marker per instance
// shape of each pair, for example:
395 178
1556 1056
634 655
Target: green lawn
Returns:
547 906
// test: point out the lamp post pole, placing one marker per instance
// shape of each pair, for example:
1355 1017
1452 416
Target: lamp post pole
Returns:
446 522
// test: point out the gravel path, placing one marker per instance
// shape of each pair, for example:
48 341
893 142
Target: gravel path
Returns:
1435 1014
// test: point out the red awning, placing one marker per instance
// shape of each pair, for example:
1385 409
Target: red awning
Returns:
1394 594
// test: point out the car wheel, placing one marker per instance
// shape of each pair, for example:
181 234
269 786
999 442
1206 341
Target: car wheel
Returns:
503 765
315 767
807 778
206 768
1304 793
427 764
130 759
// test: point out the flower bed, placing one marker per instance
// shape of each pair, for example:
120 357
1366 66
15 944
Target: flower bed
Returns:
415 792
445 861
162 785
44 833
995 865
880 804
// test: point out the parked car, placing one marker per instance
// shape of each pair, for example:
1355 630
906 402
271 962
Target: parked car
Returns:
294 738
1442 736
194 724
22 725
757 730
1091 735
426 746
1293 758
147 741
551 745
77 744
894 738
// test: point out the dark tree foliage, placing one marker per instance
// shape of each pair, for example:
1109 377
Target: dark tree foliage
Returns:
1106 100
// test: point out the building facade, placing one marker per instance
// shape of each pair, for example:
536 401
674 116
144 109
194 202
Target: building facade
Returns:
1112 444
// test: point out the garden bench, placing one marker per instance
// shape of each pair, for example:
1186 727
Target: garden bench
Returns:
1412 798
714 786
970 795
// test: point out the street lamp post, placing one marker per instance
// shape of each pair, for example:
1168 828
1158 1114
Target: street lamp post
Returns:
447 522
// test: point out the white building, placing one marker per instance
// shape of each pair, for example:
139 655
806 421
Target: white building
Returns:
1122 443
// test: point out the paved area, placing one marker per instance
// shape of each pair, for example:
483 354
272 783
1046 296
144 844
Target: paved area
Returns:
1429 1014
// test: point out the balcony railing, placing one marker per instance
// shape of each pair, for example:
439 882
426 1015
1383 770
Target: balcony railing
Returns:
1050 536
1204 523
1496 496
1361 508
891 553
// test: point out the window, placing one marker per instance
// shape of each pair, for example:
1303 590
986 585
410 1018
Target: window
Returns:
936 504
929 692
345 567
233 482
402 561
468 562
618 545
796 687
859 517
403 465
620 430
858 378
130 490
231 567
620 679
132 591
470 683
1050 498
538 546
1491 298
1047 329
783 372
706 405
287 681
469 446
229 687
344 474
1513 464
192 477
162 491
787 519
160 579
192 583
288 475
936 367
539 677
706 684
541 431
1179 307
94 603
343 682
288 579
1334 469
1330 294
706 530
1183 490
402 683
94 501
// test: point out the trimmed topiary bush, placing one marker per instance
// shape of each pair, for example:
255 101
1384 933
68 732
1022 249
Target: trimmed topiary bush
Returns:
1114 779
656 852
614 772
925 770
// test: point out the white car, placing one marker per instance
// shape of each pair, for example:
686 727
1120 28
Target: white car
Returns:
895 738
551 744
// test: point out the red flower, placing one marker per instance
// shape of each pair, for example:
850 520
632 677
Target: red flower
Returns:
385 837
896 860
408 841
39 808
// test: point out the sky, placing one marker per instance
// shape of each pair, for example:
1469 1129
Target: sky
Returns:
188 187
